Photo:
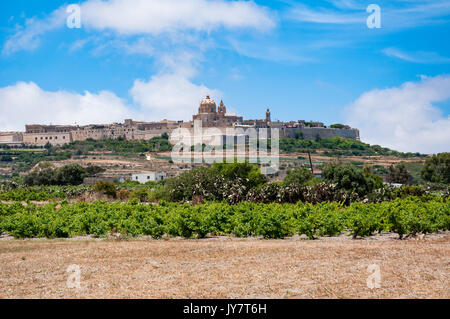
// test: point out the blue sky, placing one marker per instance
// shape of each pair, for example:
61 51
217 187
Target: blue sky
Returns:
312 60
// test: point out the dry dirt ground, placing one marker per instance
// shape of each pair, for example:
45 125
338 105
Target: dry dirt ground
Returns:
226 268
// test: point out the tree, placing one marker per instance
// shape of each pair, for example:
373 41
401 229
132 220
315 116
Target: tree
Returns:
399 174
106 188
349 178
368 169
72 174
42 177
297 177
216 183
299 135
94 170
437 169
250 174
45 174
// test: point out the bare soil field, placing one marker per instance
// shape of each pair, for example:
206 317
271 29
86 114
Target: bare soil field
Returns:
226 268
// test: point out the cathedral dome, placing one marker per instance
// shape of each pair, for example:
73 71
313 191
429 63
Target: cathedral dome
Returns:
207 105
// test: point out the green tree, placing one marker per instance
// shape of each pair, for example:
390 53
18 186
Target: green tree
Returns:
399 174
106 188
349 178
297 177
437 169
94 170
299 135
339 126
215 183
48 146
72 174
249 173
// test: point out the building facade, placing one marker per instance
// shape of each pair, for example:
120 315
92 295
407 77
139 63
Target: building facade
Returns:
148 177
209 114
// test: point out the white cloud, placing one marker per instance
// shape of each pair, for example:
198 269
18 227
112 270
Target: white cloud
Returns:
156 16
170 18
28 37
302 13
170 96
404 118
416 57
396 15
26 103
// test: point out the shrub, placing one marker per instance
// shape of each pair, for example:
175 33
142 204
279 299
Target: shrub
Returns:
123 194
351 179
362 219
407 216
106 188
399 174
141 194
229 182
297 177
437 169
269 193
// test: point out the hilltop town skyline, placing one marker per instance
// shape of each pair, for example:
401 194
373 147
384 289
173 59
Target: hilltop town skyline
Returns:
209 115
312 60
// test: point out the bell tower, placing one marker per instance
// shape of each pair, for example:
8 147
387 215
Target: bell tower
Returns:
268 117
222 109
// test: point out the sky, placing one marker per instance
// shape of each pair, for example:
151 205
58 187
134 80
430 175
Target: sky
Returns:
307 60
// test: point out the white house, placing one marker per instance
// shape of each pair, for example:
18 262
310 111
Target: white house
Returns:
147 177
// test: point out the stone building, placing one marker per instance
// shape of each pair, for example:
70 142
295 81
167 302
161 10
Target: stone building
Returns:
213 117
11 138
208 112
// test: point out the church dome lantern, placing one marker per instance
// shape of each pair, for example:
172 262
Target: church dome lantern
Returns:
208 106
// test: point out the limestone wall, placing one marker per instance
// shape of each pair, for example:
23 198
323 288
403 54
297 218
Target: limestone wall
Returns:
11 138
42 139
311 133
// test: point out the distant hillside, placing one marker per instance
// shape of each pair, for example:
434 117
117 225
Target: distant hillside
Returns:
338 146
22 158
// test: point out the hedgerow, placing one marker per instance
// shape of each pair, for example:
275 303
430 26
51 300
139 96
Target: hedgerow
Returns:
407 216
42 193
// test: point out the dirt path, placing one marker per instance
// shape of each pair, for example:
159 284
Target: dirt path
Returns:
225 269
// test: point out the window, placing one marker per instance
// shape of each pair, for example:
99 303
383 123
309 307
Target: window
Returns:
148 177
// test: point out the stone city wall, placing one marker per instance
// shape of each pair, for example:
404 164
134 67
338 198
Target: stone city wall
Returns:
42 139
311 133
11 138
